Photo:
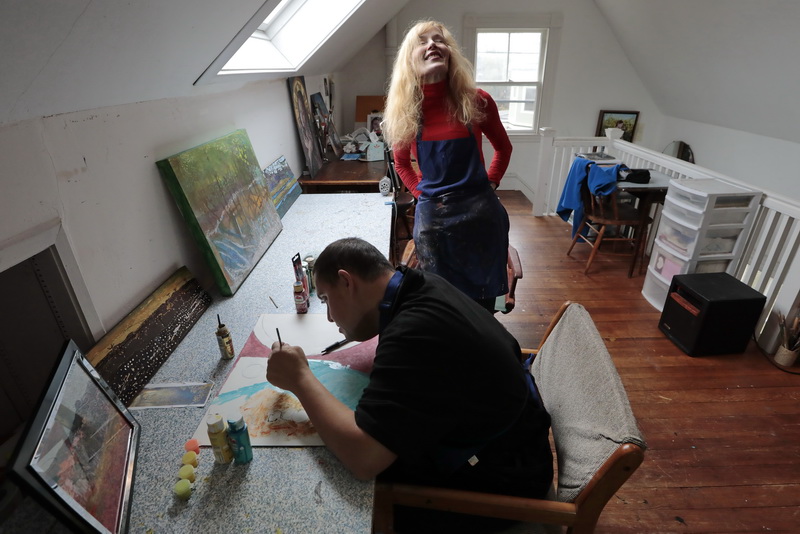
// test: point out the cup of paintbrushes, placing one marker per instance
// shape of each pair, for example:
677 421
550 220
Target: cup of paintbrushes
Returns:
789 349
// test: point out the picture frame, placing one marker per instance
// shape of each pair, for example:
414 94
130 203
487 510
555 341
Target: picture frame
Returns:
374 122
304 120
613 118
78 453
326 119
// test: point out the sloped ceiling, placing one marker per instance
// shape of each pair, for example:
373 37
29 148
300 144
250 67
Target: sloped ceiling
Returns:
730 63
73 55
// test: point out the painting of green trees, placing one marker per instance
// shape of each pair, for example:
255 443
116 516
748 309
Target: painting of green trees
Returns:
222 194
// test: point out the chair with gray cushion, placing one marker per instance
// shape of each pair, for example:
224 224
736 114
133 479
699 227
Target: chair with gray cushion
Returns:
598 444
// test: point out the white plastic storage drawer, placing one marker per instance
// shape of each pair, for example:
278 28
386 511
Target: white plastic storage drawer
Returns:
677 235
683 191
682 212
663 262
728 216
718 241
732 201
655 290
709 193
712 266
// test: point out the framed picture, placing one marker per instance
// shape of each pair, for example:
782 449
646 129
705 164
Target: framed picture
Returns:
219 188
77 455
282 184
326 119
624 120
304 120
374 122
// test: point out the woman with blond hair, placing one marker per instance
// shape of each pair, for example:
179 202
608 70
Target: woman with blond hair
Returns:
435 114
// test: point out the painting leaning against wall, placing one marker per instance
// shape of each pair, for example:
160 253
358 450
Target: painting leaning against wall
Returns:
283 184
222 194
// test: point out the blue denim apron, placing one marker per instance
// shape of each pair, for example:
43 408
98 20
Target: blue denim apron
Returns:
460 226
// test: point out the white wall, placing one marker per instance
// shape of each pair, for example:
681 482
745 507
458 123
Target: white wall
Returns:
592 72
766 163
364 75
96 171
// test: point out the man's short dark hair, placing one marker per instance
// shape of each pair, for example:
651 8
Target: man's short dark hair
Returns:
355 256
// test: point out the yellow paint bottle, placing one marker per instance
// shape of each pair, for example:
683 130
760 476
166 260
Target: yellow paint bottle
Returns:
218 436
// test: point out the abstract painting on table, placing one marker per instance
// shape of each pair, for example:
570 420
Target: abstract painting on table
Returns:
282 184
274 417
305 124
222 194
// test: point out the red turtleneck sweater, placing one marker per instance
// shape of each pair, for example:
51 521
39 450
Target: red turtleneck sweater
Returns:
438 124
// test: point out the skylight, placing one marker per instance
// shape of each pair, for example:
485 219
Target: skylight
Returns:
280 37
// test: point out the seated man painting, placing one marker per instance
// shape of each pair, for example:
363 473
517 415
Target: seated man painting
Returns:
448 403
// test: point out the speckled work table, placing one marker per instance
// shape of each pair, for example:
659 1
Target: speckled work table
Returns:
288 490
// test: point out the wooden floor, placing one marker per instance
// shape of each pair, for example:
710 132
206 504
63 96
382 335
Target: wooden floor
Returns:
723 431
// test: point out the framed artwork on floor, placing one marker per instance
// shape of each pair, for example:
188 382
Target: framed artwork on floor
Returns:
78 453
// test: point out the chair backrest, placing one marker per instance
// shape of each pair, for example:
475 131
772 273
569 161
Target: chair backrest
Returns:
513 269
580 388
391 171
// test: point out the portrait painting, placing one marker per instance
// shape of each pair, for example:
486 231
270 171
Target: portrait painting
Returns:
222 193
624 120
304 120
326 118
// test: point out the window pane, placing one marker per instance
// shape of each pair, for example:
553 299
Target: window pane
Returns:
523 61
516 104
491 63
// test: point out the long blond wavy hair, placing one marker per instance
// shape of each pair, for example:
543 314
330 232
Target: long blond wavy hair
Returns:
401 118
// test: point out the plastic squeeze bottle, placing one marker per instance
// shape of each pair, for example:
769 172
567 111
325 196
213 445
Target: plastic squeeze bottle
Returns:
224 340
239 440
218 436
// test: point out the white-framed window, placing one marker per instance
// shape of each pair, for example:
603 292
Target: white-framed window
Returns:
280 37
510 55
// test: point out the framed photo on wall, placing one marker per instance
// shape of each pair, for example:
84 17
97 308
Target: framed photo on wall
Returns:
624 120
78 453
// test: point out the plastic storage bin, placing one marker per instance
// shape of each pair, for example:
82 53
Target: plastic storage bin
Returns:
666 264
677 235
717 241
655 289
683 212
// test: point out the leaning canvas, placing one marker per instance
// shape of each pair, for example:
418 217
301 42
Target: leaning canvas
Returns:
222 194
283 184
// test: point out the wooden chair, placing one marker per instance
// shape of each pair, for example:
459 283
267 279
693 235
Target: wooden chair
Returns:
597 441
403 200
600 212
513 267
